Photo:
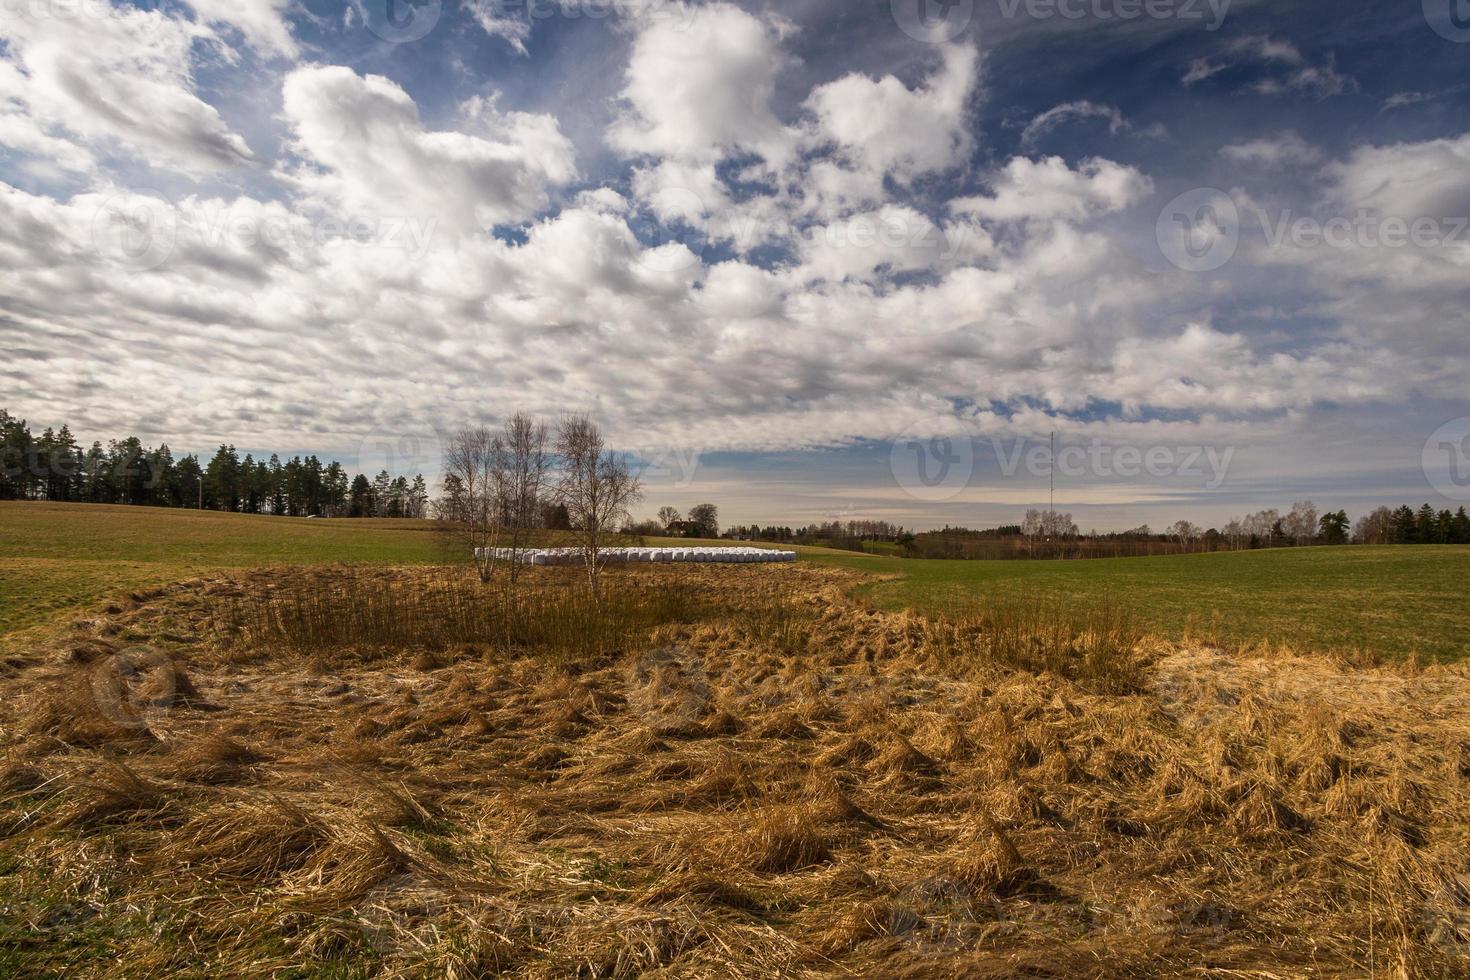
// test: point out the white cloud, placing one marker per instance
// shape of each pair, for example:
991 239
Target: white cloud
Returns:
857 264
1282 68
1067 111
368 152
489 14
261 22
1281 150
112 80
698 88
1046 189
883 127
1407 180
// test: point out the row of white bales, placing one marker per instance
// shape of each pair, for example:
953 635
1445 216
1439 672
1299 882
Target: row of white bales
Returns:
574 556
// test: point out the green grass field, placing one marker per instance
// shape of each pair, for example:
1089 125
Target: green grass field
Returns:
1392 601
58 557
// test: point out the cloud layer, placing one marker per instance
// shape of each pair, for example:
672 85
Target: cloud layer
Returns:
763 266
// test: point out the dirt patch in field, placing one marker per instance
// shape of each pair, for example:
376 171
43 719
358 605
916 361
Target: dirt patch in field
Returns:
819 789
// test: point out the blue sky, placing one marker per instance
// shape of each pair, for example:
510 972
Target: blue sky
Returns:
786 247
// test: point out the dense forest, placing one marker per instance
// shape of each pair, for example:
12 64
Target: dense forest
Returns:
54 466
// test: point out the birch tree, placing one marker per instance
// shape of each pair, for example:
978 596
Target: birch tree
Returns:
596 486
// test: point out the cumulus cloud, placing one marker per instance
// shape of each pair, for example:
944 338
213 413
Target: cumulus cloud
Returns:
367 151
1048 188
698 88
118 79
757 268
1408 180
885 128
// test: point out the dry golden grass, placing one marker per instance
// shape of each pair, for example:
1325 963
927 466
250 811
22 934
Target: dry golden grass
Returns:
764 779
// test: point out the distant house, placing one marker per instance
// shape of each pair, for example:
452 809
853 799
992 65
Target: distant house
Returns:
683 529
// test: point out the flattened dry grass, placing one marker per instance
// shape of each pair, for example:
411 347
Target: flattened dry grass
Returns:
771 779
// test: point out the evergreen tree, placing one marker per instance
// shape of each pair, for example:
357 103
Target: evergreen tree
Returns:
1334 527
382 493
418 496
1444 527
1424 525
222 480
190 481
163 474
335 488
1405 531
1460 527
277 484
360 503
15 454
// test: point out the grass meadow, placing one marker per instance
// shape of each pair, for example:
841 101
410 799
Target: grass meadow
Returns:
1392 602
240 746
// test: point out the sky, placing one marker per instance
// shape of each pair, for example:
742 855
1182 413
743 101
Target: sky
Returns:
808 261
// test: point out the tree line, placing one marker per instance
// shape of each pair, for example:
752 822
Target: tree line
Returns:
54 466
1052 534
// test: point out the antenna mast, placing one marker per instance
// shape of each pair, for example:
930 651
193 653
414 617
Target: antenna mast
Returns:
1053 469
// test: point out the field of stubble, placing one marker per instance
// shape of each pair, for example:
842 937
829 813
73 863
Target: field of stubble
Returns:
733 771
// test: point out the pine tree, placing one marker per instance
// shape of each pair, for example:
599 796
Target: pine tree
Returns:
419 497
1405 530
1460 531
360 503
1424 525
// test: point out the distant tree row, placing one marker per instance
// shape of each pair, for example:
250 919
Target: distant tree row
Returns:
53 466
848 534
1050 534
1408 526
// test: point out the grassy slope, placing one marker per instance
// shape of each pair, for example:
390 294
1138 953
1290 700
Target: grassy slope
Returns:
1393 601
56 557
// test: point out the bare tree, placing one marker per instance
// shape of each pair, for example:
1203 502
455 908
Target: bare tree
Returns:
1050 527
1186 533
1374 528
521 482
1301 524
474 464
667 516
596 486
